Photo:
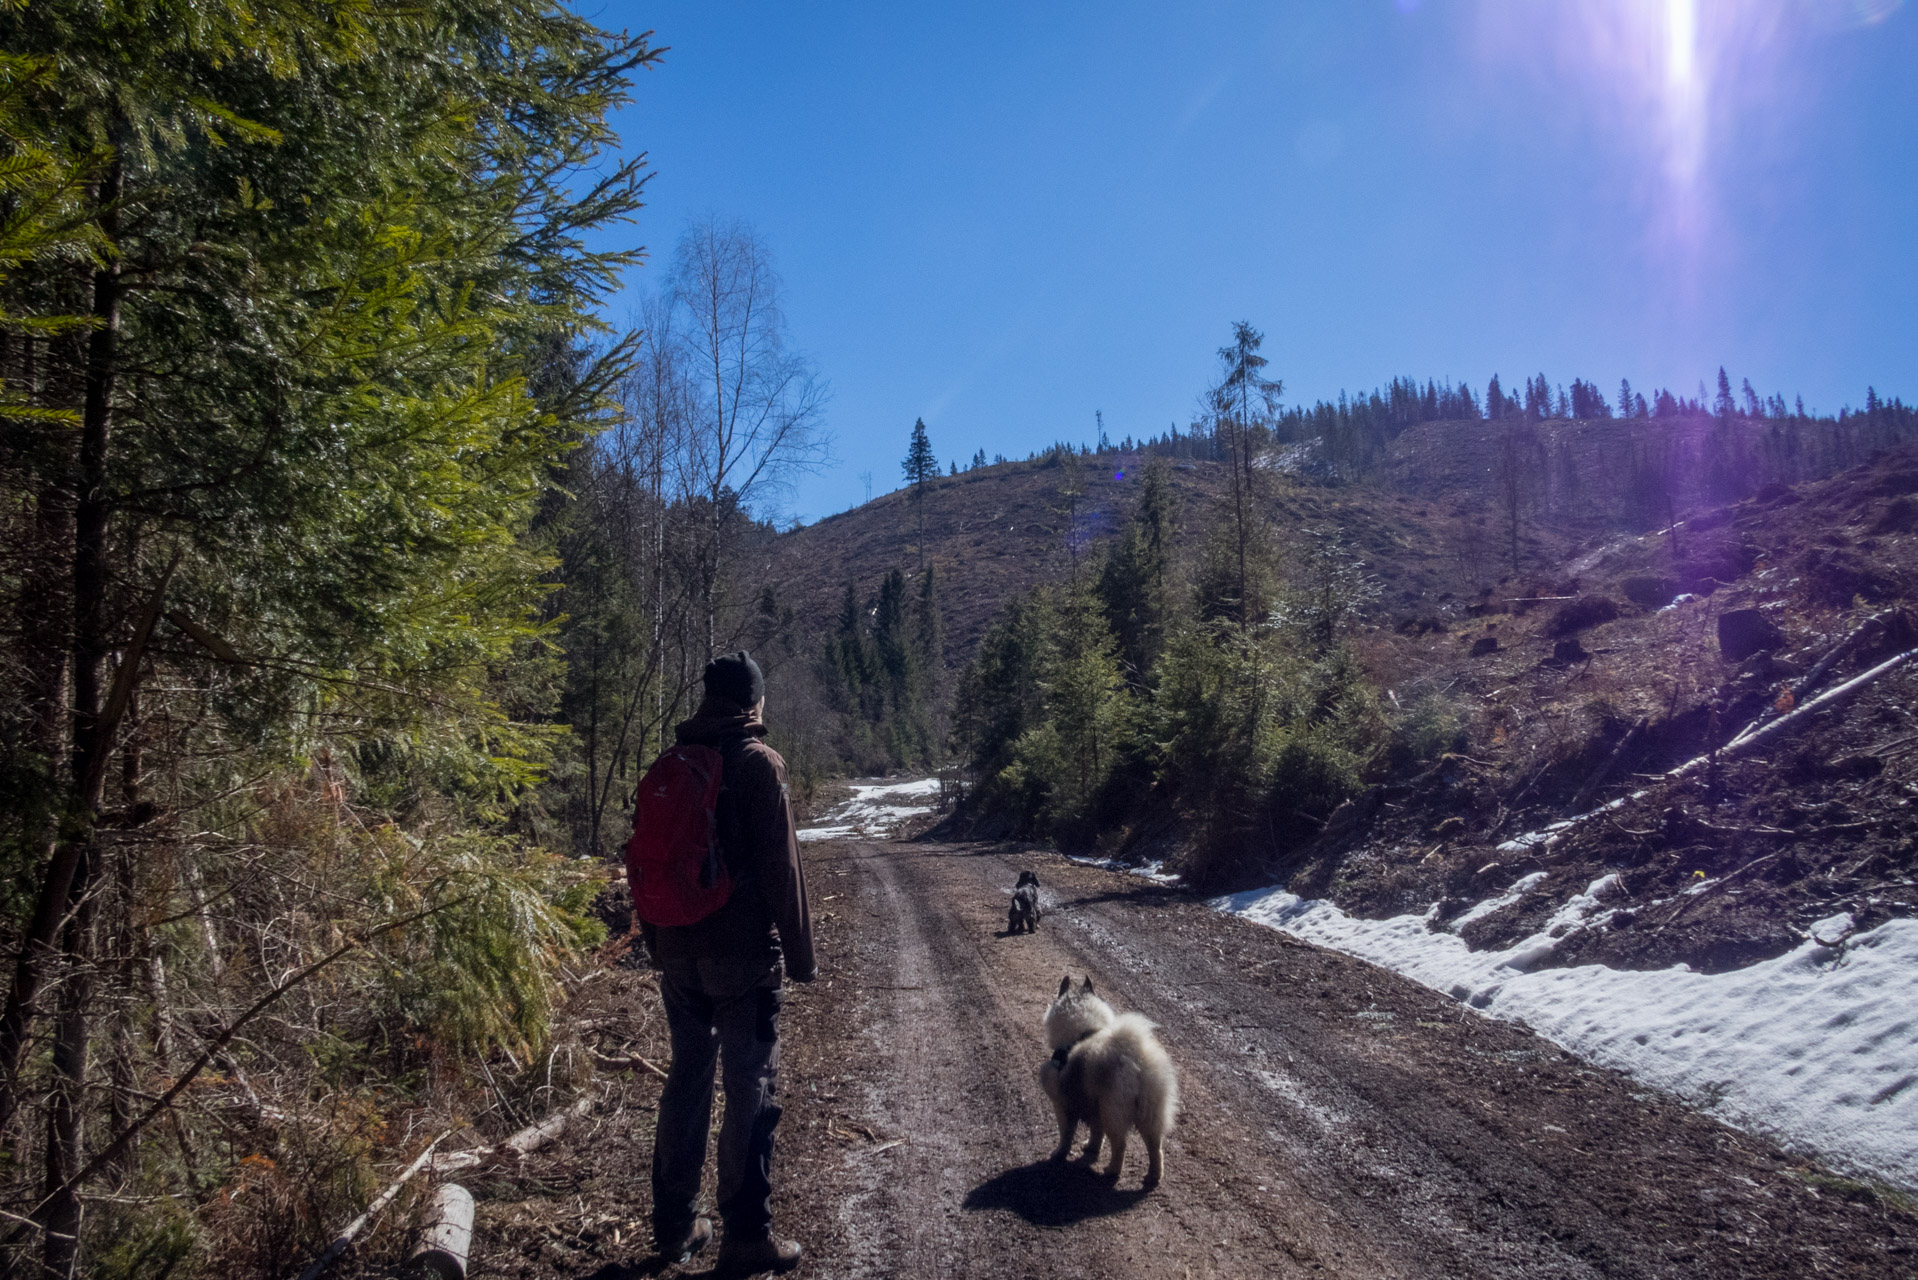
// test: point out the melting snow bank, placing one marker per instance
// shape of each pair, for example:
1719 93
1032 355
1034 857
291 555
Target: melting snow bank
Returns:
1818 1047
875 810
1148 870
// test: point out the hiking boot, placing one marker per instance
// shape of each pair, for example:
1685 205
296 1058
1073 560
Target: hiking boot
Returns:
749 1256
697 1237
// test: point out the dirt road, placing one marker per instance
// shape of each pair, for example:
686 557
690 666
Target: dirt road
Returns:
1338 1121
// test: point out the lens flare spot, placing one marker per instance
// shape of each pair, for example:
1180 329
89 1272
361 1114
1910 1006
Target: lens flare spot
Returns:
1681 43
1869 13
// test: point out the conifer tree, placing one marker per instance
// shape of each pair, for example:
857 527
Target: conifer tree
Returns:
919 467
1132 582
290 459
1242 402
920 464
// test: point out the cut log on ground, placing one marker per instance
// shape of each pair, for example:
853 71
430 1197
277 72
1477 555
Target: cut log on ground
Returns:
446 1234
1742 744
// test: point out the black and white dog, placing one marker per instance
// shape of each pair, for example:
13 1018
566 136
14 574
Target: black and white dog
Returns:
1024 916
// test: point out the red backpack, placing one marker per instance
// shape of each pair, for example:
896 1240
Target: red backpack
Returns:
672 862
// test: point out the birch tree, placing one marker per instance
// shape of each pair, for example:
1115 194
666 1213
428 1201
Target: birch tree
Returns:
760 411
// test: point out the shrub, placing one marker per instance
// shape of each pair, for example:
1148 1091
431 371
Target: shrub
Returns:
1431 726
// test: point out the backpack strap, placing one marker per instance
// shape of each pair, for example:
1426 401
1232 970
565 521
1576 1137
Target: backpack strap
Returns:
729 750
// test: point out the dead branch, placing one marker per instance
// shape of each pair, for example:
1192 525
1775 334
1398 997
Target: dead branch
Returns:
525 1142
1811 679
112 1150
345 1237
586 1026
1693 898
626 1060
1604 770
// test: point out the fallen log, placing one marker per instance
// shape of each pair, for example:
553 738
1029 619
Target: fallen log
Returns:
535 1136
446 1234
1813 678
344 1239
1742 744
1794 718
524 1143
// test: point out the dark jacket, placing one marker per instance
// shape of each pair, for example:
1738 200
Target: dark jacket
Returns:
767 914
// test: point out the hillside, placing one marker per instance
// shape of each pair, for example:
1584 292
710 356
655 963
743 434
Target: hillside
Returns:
1576 681
995 532
1431 522
1818 824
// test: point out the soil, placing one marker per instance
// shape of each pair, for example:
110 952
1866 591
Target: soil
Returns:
1817 822
1337 1121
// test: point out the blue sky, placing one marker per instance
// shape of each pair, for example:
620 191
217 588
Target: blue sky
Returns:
1003 217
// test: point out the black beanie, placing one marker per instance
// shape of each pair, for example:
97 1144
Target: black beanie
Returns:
735 677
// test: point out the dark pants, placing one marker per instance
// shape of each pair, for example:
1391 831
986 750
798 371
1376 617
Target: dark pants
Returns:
727 1009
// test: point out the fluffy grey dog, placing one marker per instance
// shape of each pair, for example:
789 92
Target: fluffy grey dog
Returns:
1024 915
1108 1070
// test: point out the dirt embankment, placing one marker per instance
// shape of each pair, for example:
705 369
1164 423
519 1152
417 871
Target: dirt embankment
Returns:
1550 708
1338 1120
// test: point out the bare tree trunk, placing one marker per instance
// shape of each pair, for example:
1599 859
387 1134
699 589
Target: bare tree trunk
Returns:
93 728
1238 519
49 642
162 1010
659 568
60 1212
592 753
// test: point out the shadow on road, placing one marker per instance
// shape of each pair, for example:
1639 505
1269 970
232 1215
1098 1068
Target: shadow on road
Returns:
1050 1194
1150 895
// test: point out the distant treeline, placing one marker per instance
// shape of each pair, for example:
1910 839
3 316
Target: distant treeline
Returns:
1351 437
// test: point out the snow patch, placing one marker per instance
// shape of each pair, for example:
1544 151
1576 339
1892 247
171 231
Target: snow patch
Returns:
876 810
1815 1047
1523 886
1147 870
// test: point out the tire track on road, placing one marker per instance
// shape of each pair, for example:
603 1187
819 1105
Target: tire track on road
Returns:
1339 1120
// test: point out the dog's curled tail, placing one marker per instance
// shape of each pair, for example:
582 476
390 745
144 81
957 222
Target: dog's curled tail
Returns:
1158 1097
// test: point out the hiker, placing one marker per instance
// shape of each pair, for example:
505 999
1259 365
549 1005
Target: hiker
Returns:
720 981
